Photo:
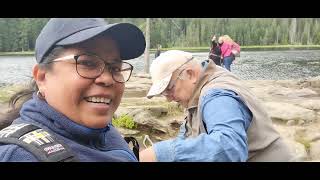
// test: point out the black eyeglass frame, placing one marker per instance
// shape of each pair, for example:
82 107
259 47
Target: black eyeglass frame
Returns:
106 64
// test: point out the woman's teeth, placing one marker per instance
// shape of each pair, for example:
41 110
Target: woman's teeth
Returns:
98 100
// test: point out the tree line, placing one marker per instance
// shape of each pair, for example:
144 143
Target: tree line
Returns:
19 34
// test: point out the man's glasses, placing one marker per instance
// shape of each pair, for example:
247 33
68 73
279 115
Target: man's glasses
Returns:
172 85
91 66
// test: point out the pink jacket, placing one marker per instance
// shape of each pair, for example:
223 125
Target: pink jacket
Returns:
226 49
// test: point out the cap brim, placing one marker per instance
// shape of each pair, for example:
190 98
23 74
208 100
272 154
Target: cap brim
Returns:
158 88
130 38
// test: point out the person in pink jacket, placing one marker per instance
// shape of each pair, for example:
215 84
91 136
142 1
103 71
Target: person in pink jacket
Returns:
229 49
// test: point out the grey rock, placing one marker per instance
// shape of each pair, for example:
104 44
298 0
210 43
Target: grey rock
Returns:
286 111
315 150
291 122
127 132
298 150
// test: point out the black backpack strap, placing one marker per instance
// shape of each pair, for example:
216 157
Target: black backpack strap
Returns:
135 145
37 141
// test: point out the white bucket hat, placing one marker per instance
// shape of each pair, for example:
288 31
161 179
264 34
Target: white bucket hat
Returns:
162 68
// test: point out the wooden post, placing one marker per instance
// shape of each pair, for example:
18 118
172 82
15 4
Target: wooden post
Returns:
146 53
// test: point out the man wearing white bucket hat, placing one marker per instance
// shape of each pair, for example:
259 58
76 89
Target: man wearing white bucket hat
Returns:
224 120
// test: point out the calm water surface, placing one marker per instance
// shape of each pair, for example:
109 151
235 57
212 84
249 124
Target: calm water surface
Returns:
254 65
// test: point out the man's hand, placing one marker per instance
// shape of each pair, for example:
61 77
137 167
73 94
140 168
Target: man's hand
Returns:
147 155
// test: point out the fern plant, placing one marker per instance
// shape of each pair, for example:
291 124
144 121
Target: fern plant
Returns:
124 121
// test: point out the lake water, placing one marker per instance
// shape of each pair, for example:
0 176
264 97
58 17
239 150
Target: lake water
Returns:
252 65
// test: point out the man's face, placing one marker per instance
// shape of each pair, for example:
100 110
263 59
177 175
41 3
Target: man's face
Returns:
180 87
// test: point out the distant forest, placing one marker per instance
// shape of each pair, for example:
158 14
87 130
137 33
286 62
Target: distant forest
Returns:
19 34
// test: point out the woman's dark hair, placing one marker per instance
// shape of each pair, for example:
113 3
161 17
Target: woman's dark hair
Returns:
18 99
214 44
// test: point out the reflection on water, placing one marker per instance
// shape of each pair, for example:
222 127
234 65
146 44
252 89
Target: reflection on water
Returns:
255 65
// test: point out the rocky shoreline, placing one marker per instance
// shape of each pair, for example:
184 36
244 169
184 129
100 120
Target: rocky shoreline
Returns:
293 105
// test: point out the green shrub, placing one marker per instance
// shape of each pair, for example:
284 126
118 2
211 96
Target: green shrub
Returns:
124 121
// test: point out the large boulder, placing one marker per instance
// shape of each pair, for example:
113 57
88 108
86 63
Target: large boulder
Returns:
298 150
288 83
128 132
157 111
285 112
313 82
295 103
138 86
315 150
146 118
290 135
147 122
312 104
292 93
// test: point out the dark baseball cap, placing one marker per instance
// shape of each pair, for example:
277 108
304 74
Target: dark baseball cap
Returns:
68 31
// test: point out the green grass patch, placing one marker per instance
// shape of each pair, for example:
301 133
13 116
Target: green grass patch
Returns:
25 53
124 121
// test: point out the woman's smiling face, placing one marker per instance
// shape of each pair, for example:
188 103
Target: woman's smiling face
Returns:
89 102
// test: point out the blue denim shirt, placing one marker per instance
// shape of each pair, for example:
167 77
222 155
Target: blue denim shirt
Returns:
227 118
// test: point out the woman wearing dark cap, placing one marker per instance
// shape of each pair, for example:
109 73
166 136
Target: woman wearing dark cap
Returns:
78 84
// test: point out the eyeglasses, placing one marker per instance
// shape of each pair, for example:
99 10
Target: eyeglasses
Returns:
91 66
172 85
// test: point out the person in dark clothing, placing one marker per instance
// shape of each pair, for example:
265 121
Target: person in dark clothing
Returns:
215 51
158 51
78 83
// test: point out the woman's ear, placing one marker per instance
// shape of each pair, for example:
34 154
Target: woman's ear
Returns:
39 75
